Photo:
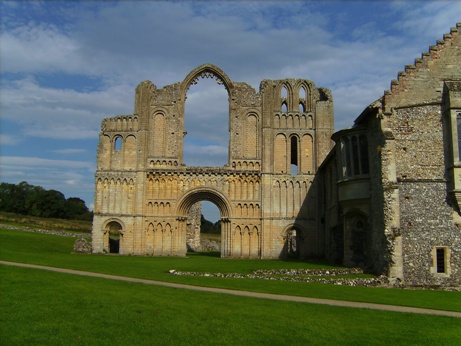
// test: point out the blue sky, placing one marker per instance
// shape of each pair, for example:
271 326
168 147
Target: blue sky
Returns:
66 65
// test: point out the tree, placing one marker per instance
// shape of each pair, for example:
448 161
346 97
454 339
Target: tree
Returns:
48 203
32 200
76 209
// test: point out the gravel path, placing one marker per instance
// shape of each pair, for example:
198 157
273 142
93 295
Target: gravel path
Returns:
246 293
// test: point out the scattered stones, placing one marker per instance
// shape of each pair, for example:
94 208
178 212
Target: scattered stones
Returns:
302 275
82 245
44 231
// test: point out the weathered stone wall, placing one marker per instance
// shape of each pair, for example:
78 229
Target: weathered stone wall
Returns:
413 196
427 222
193 227
143 184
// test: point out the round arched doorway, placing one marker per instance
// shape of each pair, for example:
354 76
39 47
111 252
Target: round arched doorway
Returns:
113 233
192 198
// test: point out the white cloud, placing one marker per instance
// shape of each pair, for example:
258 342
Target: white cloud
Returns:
117 45
38 48
37 162
69 151
61 113
9 139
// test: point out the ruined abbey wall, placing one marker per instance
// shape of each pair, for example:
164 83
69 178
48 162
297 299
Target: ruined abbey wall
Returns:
144 191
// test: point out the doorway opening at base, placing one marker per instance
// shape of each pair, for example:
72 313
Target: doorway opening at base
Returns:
203 233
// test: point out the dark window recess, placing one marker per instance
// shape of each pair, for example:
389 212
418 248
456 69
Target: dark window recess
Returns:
440 258
363 144
294 155
458 123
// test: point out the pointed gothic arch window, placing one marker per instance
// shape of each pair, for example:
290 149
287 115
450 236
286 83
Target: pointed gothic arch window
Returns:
284 92
284 107
302 108
206 123
302 93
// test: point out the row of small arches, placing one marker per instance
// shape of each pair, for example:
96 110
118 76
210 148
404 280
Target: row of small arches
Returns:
163 163
285 120
249 210
238 189
251 165
122 123
159 208
244 229
106 182
159 227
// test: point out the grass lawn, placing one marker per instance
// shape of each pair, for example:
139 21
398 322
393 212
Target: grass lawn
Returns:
46 308
55 251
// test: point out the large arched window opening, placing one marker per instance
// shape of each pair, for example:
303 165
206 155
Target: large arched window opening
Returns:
206 119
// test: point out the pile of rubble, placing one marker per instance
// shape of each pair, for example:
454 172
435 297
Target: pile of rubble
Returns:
326 276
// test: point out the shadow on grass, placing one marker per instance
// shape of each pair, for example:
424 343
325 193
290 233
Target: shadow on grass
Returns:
205 254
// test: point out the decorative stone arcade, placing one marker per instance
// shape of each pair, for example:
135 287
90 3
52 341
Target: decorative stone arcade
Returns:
278 138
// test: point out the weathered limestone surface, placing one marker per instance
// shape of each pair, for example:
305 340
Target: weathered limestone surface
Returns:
147 195
386 197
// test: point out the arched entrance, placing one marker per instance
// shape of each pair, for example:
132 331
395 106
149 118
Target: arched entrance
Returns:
113 233
196 195
292 248
355 235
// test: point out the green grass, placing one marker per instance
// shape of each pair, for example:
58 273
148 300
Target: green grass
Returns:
55 251
46 308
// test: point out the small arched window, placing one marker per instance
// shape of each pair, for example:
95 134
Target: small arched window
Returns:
118 144
302 108
284 108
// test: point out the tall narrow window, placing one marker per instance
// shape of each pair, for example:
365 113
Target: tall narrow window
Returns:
284 93
302 93
284 98
440 260
347 158
458 123
355 155
118 144
294 155
363 144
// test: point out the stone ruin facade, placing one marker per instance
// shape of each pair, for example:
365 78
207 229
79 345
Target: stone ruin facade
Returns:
384 195
266 194
392 184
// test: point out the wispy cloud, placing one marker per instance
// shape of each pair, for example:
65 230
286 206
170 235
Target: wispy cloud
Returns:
6 139
37 162
67 65
69 151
